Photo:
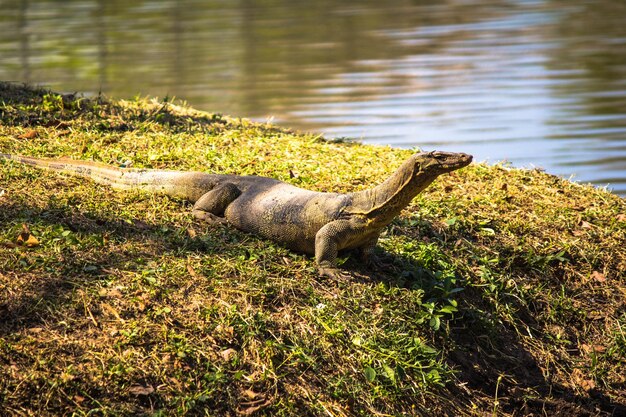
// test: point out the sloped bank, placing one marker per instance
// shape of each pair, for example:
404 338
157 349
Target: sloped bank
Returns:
504 291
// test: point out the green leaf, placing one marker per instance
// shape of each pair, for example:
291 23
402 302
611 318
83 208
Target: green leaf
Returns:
448 309
429 350
435 322
370 374
451 221
433 376
391 374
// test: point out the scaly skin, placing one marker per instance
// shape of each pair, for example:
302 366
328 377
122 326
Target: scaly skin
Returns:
316 223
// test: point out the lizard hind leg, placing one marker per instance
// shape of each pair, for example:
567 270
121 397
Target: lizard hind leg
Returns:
211 206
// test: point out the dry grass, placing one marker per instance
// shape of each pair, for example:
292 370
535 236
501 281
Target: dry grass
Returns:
504 292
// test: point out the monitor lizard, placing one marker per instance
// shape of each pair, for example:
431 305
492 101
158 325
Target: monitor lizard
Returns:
316 223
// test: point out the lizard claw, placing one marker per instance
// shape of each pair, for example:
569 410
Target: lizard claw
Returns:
209 217
333 273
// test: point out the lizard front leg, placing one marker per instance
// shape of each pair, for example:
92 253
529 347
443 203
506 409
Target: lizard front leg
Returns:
211 206
327 243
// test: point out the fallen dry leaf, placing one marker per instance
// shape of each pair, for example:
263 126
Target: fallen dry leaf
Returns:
252 395
228 354
192 272
112 312
621 217
598 276
586 225
110 292
29 134
225 331
578 378
593 348
26 238
588 384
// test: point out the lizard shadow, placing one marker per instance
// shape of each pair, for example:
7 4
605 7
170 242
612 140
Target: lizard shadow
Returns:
489 357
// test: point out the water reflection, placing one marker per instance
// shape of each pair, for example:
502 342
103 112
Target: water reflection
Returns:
538 83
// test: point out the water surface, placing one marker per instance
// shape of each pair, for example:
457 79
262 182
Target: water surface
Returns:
537 83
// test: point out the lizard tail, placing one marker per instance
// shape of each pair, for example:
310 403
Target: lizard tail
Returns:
180 184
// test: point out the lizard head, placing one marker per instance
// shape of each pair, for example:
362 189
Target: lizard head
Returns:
385 201
438 162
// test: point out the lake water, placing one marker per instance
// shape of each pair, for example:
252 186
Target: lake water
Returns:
539 83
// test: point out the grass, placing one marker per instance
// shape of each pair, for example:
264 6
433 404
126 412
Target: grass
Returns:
503 294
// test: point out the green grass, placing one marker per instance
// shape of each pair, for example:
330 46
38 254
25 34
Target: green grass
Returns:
503 290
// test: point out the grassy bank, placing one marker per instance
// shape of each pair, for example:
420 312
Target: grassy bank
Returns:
504 292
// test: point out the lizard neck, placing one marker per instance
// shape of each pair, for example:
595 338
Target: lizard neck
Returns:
385 201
